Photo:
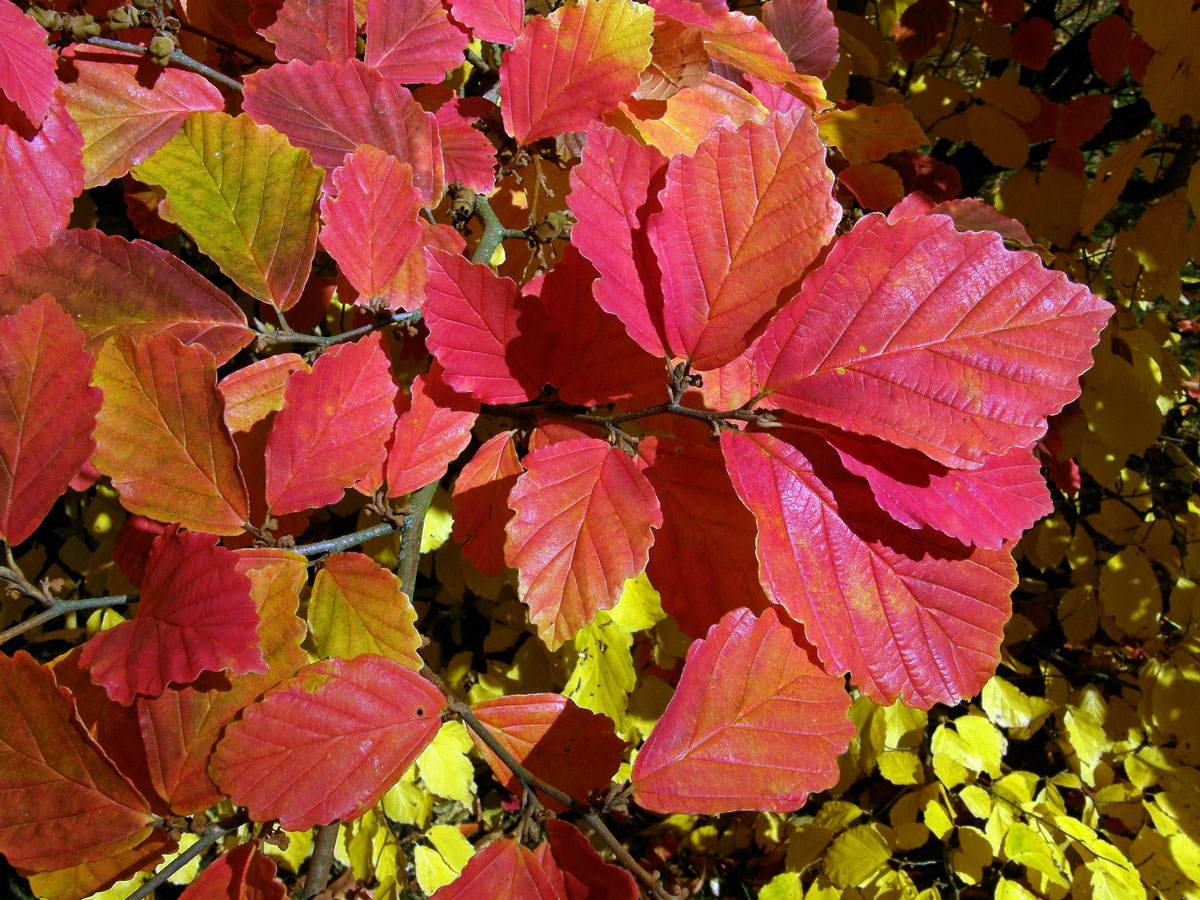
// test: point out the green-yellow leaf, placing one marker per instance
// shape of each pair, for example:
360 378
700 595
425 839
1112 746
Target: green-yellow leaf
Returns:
639 608
603 675
246 196
440 864
784 886
439 520
855 856
357 607
444 765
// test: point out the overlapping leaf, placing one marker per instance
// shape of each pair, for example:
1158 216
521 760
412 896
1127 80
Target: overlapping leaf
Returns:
121 861
47 413
333 428
936 340
246 196
430 433
26 64
566 69
413 41
469 156
64 802
754 724
362 720
253 393
244 873
108 285
908 613
692 113
357 607
481 502
161 437
330 109
195 615
313 30
127 107
584 514
806 31
491 20
769 188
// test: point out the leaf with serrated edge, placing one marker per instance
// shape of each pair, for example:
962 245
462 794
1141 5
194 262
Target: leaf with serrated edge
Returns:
499 21
127 107
413 41
584 514
807 33
566 69
109 285
160 435
481 502
47 416
244 873
365 720
429 434
333 427
121 860
312 30
754 724
253 393
768 186
195 615
934 339
357 607
504 863
26 64
64 803
246 196
577 871
913 614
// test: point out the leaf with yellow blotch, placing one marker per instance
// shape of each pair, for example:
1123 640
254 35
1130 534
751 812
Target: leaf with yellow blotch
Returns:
246 196
866 133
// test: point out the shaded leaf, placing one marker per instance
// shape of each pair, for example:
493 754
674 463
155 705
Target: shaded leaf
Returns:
47 413
468 154
246 196
920 27
505 867
430 433
413 41
161 437
692 114
357 607
243 873
754 724
195 615
806 31
313 30
26 64
867 133
577 871
366 719
491 20
481 502
584 514
122 860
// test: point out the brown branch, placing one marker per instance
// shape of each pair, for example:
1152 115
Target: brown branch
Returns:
317 875
180 59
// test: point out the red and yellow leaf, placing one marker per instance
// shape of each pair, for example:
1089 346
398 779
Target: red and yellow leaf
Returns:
358 607
244 873
26 64
481 502
121 861
313 30
255 392
414 41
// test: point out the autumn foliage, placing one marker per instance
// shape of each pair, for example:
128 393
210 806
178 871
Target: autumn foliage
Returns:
482 443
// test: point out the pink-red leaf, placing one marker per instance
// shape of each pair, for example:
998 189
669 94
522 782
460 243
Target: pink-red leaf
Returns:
499 21
806 31
576 871
429 434
490 340
481 502
572 748
313 30
371 224
64 802
47 413
195 615
908 613
920 27
413 41
328 742
565 70
584 514
333 427
767 187
937 340
243 873
109 285
754 724
469 156
127 107
26 64
613 192
504 868
40 175
330 109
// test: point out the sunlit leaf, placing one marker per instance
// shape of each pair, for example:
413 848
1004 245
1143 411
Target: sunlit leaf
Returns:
481 502
313 30
491 20
26 64
243 873
253 393
357 607
430 433
412 41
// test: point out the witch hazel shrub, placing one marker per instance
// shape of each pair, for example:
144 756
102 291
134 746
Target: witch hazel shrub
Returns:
812 432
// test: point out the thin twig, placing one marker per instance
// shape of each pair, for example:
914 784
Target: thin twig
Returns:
209 36
287 336
494 231
321 861
346 541
210 836
60 608
180 59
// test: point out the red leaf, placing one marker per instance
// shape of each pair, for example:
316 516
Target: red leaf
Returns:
1004 12
333 427
578 872
1110 46
940 341
127 107
1083 117
913 614
330 109
985 506
968 214
504 868
414 41
702 563
109 285
243 873
1032 43
371 223
365 719
499 21
40 175
754 724
566 69
161 438
920 27
768 187
47 416
806 31
181 728
26 64
195 615
469 156
491 341
614 191
429 434
584 512
313 30
255 392
64 803
481 502
572 748
131 551
122 860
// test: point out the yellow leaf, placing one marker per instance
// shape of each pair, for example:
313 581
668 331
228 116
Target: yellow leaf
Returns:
855 856
647 703
1110 179
603 675
972 856
1009 97
639 608
1172 84
1007 706
974 743
299 846
1041 859
439 520
1150 256
901 767
977 800
1012 890
998 136
1079 613
784 886
444 765
867 133
1047 543
937 818
939 103
440 864
357 607
408 803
